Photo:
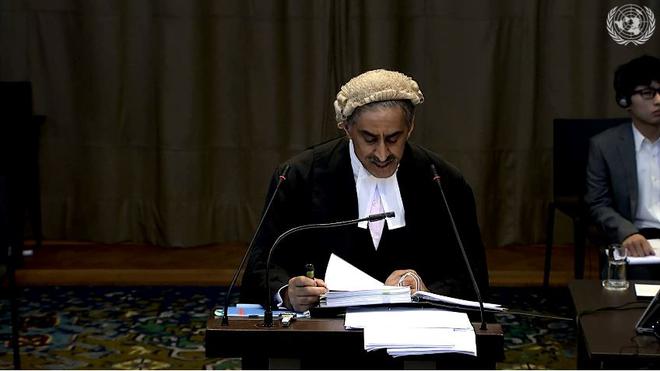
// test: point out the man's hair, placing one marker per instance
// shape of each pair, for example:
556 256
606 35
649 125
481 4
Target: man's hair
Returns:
639 71
407 107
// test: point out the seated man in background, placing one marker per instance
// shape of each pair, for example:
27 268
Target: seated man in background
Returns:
372 169
623 171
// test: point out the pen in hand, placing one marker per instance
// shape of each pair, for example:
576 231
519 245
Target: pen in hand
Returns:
309 271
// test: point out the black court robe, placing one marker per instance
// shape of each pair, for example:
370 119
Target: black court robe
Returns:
320 188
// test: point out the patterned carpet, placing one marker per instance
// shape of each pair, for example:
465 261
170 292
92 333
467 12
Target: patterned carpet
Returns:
163 328
537 343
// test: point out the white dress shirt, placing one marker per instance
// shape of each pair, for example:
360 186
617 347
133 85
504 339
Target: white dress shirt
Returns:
388 188
647 155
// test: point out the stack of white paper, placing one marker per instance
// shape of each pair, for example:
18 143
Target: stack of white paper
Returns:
383 295
349 286
359 318
408 341
413 331
646 290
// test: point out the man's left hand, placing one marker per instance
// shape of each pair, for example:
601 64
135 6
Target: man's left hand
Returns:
406 277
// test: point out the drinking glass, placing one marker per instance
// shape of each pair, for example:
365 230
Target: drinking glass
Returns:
616 268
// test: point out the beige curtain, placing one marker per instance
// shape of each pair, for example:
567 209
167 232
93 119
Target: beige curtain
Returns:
166 118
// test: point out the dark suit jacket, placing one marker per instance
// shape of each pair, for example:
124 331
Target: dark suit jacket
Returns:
612 182
320 188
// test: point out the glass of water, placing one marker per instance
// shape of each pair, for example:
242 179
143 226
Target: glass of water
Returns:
616 268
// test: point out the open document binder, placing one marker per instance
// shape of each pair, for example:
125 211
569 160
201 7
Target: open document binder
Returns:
350 287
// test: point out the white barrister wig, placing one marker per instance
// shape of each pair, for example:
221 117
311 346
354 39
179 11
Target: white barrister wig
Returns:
375 86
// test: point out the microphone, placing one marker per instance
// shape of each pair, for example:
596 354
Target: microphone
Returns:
436 179
225 313
268 314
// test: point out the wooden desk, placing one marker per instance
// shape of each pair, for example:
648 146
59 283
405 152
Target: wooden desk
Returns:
607 339
324 344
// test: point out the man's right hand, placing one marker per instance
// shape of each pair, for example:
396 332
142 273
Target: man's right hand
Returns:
303 292
637 245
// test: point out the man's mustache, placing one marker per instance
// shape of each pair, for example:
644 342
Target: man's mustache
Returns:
374 160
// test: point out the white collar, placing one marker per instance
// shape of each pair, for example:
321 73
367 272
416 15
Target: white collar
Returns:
640 139
365 186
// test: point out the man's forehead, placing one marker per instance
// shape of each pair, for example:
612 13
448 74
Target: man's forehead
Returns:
378 127
381 131
390 118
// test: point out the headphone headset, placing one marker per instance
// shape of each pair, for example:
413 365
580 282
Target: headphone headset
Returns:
623 102
622 98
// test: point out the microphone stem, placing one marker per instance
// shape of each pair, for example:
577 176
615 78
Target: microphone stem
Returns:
225 313
465 257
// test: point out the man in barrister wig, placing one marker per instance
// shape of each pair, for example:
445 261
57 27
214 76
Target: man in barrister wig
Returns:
372 168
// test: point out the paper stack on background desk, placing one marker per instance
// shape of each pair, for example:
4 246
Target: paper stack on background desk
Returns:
413 331
646 290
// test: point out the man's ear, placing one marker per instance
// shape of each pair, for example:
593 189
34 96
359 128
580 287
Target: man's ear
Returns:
412 127
342 125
